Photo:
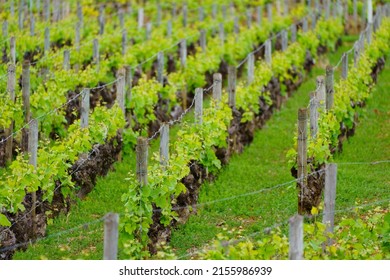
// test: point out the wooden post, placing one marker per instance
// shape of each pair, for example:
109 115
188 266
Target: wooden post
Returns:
355 15
121 89
217 89
96 59
317 6
305 26
202 40
111 222
121 19
160 67
284 35
20 16
159 14
269 12
329 87
296 238
198 105
33 150
174 11
249 17
313 115
251 68
5 29
129 84
183 53
101 20
278 8
327 9
66 64
361 41
302 155
224 11
259 12
321 92
80 13
148 30
330 196
232 77
313 21
124 41
169 28
214 10
201 14
11 83
222 33
236 26
355 54
369 11
142 161
344 64
164 146
12 8
47 40
293 33
364 14
268 52
286 8
84 110
12 47
26 102
46 10
185 12
140 18
56 10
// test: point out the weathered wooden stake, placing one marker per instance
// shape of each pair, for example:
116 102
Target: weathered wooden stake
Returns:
26 102
33 151
80 13
20 17
329 87
232 78
251 68
111 223
217 89
268 51
11 83
101 20
249 17
344 64
202 40
164 145
129 84
140 18
293 33
236 25
160 67
142 161
305 26
121 19
313 115
121 89
269 12
183 53
5 29
327 9
355 54
185 14
198 105
284 35
47 40
296 238
159 14
330 196
169 28
321 92
66 64
84 110
148 30
201 14
302 155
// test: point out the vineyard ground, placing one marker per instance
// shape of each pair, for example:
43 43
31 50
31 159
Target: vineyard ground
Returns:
262 165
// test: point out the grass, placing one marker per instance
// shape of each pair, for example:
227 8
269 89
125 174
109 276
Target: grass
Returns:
262 165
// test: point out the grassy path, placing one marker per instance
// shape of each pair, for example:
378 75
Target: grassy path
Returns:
262 165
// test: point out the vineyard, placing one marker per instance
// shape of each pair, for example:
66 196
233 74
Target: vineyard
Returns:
194 129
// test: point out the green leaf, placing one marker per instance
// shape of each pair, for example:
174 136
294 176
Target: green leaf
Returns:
4 221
